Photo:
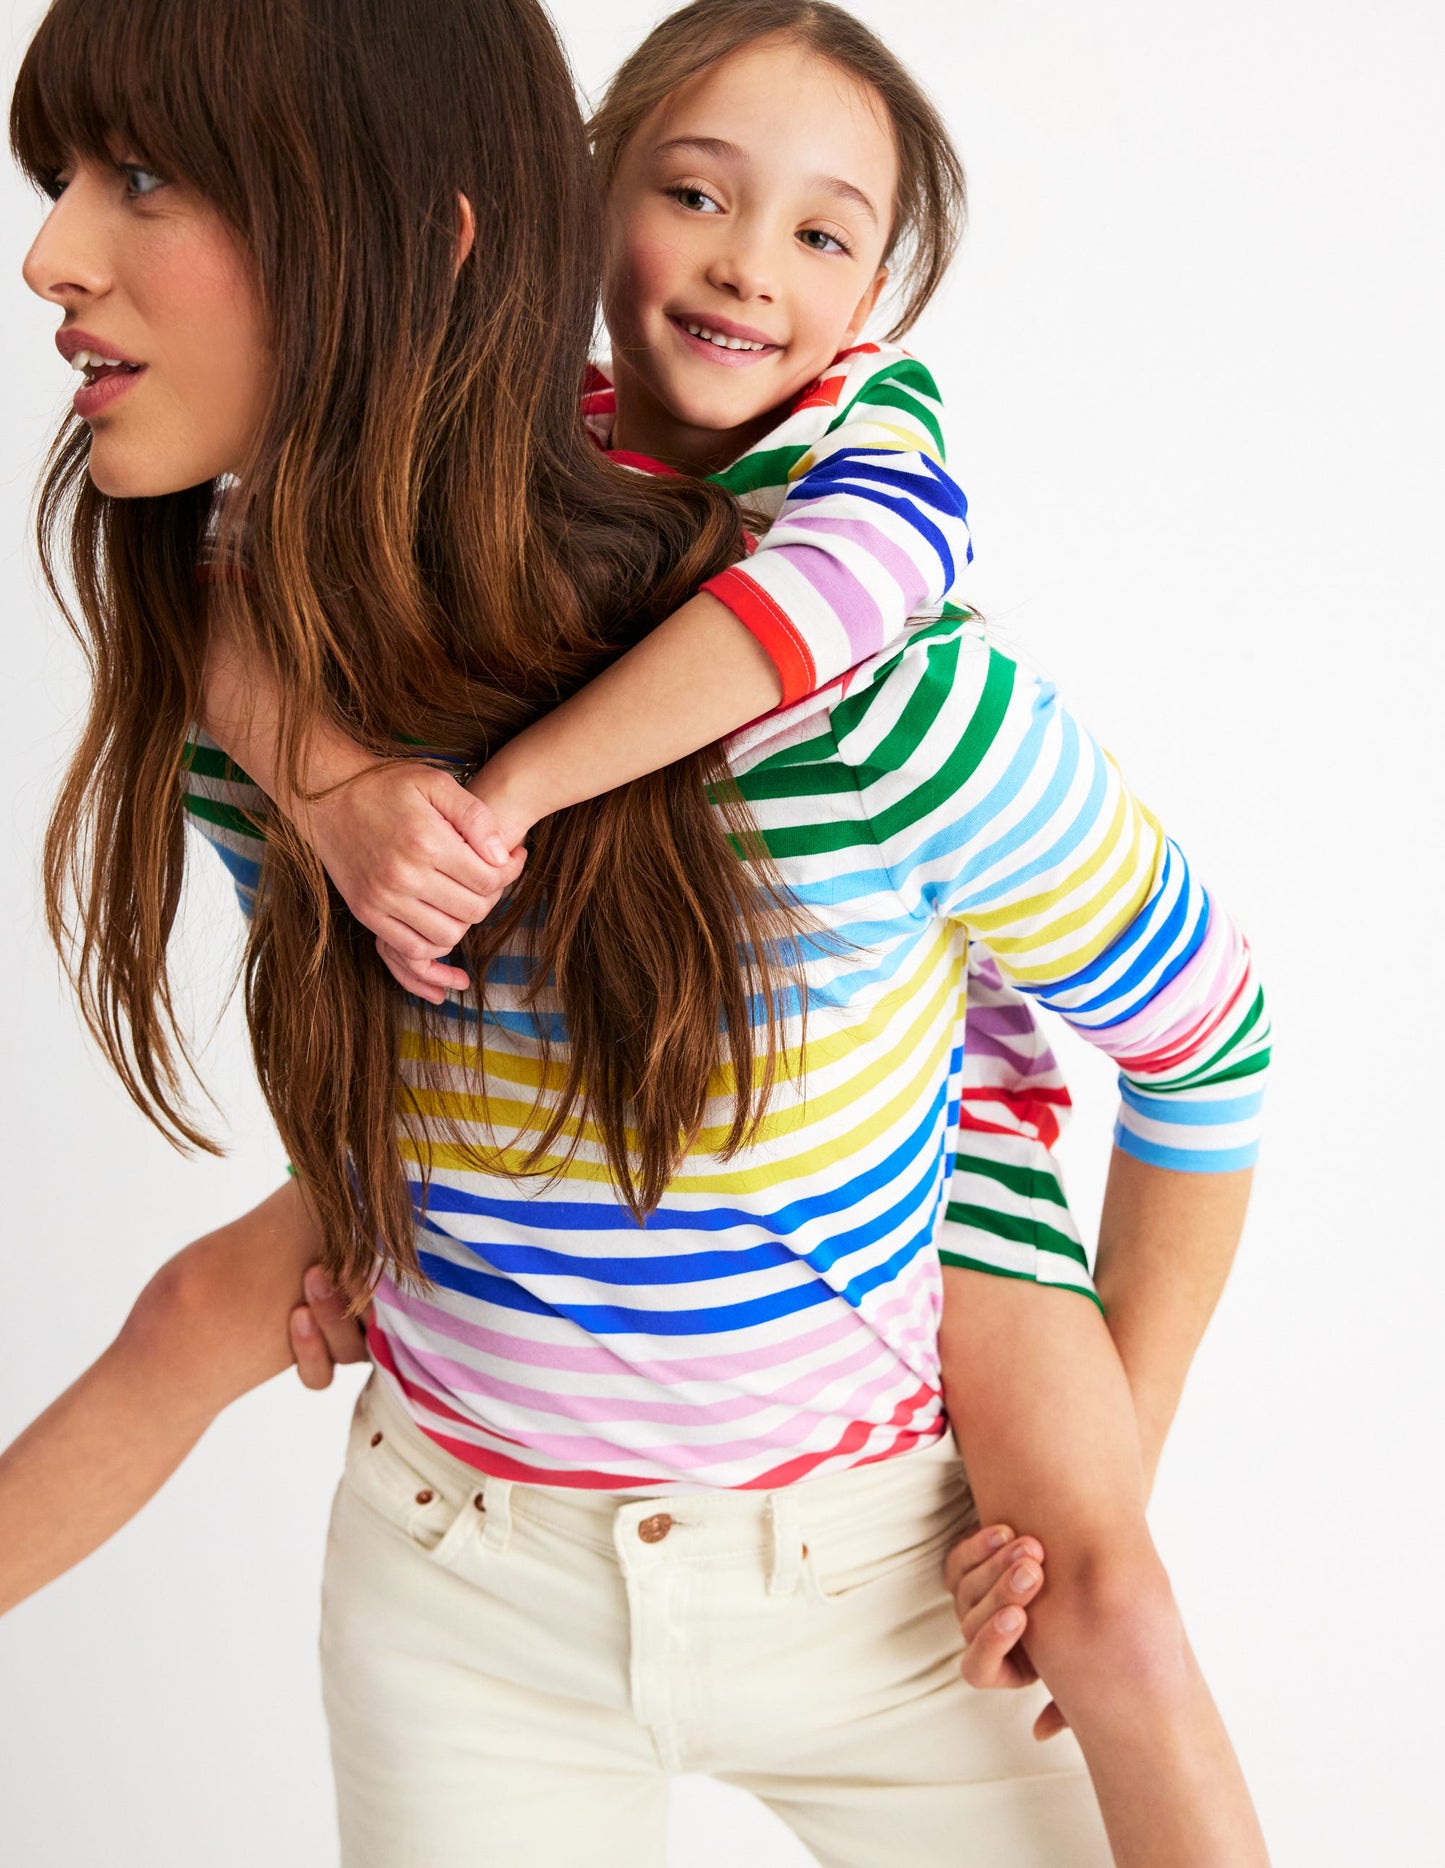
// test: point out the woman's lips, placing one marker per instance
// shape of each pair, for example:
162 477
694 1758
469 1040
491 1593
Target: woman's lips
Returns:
714 353
93 399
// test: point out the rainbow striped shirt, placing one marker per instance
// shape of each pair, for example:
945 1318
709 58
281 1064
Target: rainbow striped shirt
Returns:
777 1316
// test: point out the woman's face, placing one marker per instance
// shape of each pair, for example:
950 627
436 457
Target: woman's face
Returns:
151 278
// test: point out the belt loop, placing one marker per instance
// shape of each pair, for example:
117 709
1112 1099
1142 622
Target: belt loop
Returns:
787 1542
497 1504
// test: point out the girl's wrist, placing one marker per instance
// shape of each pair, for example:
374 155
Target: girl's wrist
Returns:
504 786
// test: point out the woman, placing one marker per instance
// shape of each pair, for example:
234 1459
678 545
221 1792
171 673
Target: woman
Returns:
430 555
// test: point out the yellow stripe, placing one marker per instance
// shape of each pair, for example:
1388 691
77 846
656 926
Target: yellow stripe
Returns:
462 1106
1127 874
757 1177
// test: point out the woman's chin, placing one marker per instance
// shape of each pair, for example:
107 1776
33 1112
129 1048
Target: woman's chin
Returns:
122 473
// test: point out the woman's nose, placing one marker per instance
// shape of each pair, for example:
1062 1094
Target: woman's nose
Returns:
66 262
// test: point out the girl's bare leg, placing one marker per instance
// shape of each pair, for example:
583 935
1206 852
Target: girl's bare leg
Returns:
1046 1424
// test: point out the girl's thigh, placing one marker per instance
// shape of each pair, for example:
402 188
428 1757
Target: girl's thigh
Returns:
477 1719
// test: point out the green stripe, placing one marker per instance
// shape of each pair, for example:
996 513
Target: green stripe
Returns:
756 472
937 788
962 1262
1030 1182
1020 1231
211 762
226 816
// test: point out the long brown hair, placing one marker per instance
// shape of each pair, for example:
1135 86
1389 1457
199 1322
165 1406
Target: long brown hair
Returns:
434 553
931 204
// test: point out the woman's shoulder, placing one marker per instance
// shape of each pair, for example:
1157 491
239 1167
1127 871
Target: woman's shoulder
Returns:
909 704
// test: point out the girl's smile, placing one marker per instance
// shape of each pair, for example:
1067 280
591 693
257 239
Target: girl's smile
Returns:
720 340
748 219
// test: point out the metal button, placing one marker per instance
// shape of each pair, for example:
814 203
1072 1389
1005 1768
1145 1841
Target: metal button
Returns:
652 1530
425 1498
480 1502
376 1439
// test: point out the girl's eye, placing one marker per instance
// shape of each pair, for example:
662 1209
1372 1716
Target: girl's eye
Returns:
698 200
53 187
821 241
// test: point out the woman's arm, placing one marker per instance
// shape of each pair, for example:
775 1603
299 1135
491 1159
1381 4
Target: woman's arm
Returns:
212 1324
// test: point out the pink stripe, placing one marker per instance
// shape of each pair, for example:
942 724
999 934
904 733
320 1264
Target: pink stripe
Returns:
595 1359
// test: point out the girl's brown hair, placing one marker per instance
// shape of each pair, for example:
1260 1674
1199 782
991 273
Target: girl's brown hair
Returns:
931 204
434 554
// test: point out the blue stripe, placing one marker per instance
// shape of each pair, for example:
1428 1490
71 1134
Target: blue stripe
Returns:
1185 1160
1159 1106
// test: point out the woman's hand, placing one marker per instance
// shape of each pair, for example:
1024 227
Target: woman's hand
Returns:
418 860
322 1333
992 1577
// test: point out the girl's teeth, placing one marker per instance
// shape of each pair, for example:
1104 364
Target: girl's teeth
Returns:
723 343
81 360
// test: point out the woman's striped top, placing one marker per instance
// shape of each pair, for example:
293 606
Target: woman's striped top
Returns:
778 1314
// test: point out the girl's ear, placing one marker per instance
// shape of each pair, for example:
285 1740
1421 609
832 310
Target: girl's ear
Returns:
466 230
864 310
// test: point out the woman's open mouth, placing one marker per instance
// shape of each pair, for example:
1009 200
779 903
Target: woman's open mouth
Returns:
106 380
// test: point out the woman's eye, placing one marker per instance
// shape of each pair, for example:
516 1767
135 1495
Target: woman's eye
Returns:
697 199
140 182
821 241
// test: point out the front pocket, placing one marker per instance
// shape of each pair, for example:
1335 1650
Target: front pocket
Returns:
392 1484
837 1577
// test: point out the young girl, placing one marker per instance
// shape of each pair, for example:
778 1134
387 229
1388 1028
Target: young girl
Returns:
723 117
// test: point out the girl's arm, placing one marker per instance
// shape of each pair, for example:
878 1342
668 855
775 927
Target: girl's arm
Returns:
211 1324
869 531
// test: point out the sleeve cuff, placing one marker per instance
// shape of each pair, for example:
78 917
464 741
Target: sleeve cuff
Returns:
761 616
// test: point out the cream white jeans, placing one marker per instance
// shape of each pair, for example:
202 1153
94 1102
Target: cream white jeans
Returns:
512 1671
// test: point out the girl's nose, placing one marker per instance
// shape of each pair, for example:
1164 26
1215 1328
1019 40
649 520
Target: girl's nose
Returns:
742 268
66 262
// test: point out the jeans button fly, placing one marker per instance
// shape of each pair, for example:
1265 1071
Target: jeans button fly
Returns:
652 1530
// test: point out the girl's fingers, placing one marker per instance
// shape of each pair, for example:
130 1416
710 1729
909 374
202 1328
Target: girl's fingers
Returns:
1013 1590
430 981
314 1362
343 1334
970 1576
969 1552
989 1658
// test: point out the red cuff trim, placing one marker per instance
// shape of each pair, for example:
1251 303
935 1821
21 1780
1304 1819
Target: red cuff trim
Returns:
773 627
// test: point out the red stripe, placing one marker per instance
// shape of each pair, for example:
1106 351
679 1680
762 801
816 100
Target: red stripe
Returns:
774 629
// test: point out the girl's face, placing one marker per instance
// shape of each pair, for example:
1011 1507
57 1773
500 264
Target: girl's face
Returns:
747 225
151 278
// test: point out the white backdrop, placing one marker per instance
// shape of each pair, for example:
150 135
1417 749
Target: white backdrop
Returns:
1192 355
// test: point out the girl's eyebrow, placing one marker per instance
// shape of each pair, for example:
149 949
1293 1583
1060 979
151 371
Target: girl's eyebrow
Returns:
707 145
723 151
